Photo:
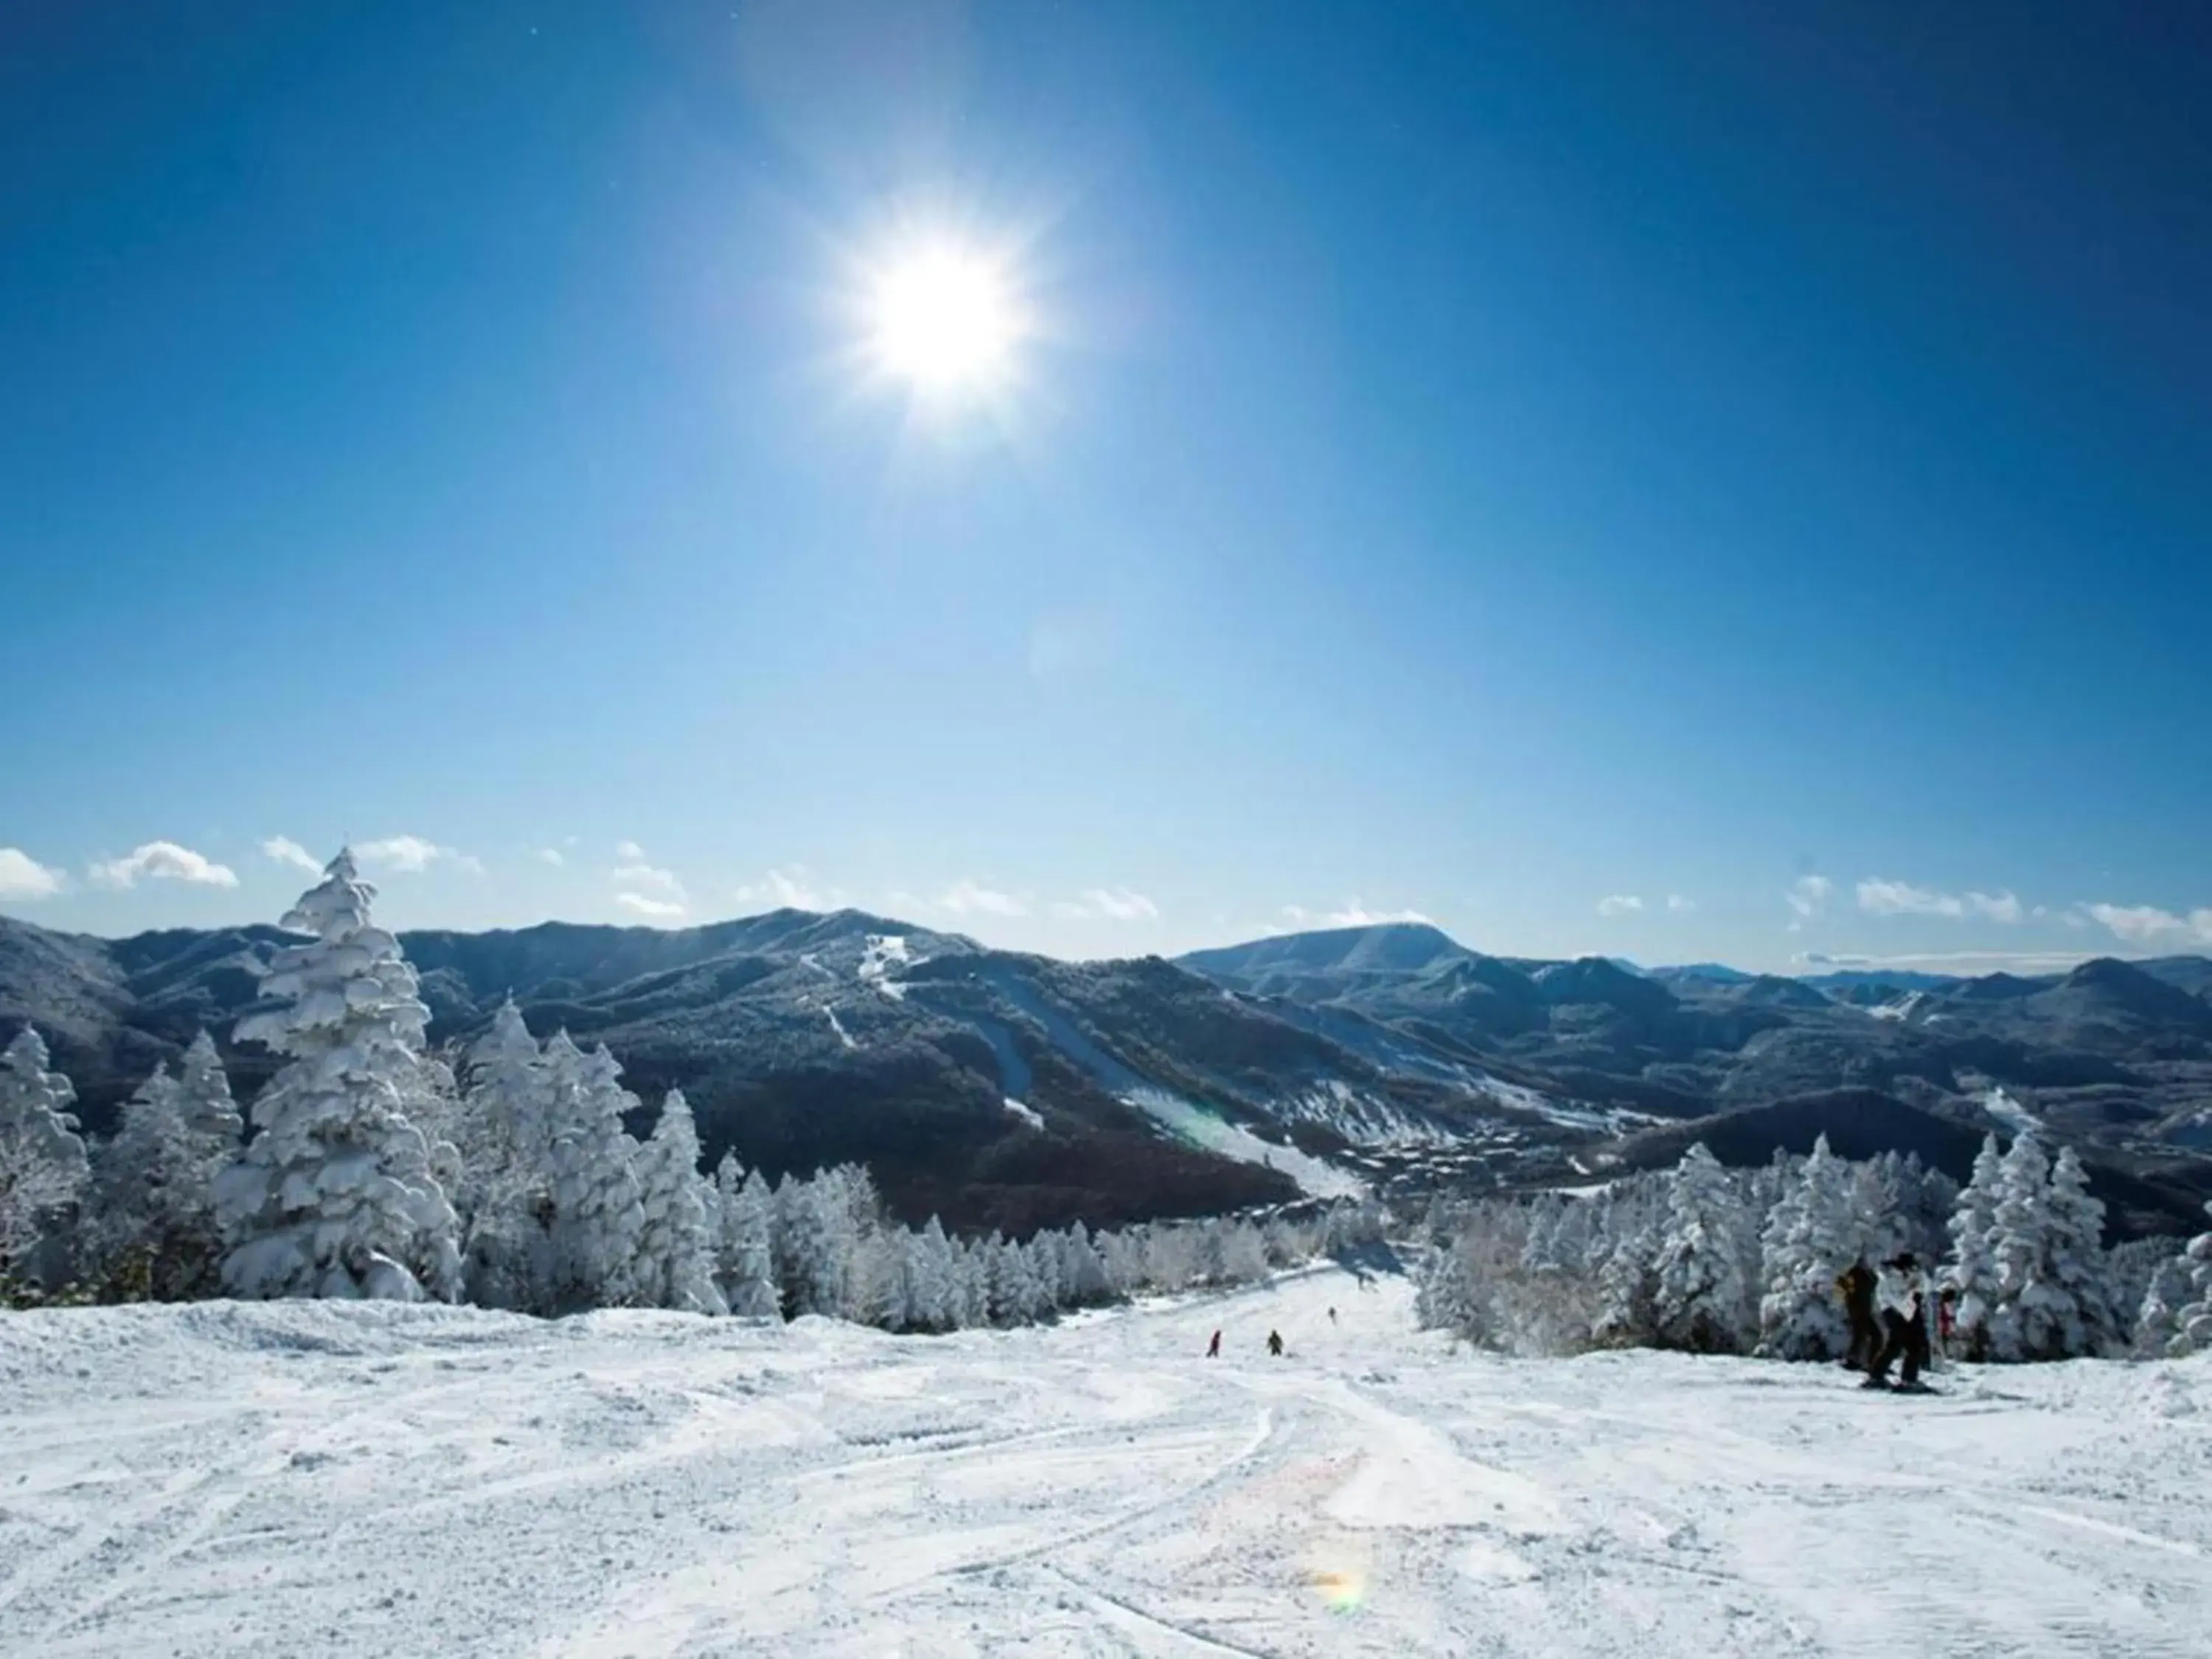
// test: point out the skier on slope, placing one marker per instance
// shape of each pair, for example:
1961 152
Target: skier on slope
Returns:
1856 1286
1275 1344
1213 1348
1903 1294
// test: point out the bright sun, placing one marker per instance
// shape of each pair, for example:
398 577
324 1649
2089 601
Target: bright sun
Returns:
945 319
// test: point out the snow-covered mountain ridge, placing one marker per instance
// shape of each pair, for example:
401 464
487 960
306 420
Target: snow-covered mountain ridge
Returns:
1391 1053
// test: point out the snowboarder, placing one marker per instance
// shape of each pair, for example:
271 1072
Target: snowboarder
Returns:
1902 1294
1213 1348
1856 1286
1275 1344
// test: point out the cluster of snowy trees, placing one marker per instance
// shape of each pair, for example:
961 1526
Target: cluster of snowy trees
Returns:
373 1170
1715 1260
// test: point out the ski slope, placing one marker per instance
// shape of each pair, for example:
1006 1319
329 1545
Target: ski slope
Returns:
332 1481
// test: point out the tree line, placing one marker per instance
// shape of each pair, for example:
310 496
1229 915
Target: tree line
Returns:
1714 1260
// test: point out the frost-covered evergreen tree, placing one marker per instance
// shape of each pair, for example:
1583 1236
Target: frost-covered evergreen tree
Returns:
931 1271
1811 1236
43 1164
334 1196
1972 1269
1702 1300
815 1243
2052 1300
676 1247
504 1131
2177 1310
745 1262
152 1215
204 1100
2088 1322
594 1215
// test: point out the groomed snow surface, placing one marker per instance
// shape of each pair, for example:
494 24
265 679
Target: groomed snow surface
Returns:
327 1479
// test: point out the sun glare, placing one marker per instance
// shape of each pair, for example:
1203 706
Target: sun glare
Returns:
945 319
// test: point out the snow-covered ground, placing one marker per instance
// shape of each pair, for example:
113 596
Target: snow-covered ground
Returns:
331 1480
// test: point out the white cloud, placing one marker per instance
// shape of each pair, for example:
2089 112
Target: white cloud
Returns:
1353 915
285 850
1808 895
790 888
22 877
649 890
2146 924
629 852
411 855
1997 907
1901 898
1619 904
162 860
551 855
1681 904
1107 904
966 897
645 875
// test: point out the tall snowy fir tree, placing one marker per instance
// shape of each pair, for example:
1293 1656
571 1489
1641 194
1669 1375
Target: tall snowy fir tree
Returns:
1702 1300
1972 1270
505 1201
2177 1315
334 1195
745 1261
676 1247
1812 1236
204 1100
43 1163
595 1216
2088 1322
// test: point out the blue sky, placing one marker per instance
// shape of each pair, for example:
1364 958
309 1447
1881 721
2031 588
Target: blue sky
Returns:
1496 463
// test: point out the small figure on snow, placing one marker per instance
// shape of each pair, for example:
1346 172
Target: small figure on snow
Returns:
1332 1316
1213 1348
1946 1319
1275 1344
1856 1286
1902 1294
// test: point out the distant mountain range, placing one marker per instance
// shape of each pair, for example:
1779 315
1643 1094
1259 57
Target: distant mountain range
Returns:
1005 1089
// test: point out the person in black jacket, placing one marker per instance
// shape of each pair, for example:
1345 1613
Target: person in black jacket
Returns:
1856 1286
1275 1344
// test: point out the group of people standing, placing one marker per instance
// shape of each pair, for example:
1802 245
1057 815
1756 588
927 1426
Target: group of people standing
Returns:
1888 1312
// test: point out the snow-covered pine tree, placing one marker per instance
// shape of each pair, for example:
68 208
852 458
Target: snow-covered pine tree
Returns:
1811 1236
815 1244
2178 1308
43 1163
334 1196
2032 1316
1972 1269
204 1100
595 1214
1702 1300
675 1247
745 1263
1082 1273
151 1220
504 1129
2088 1322
931 1273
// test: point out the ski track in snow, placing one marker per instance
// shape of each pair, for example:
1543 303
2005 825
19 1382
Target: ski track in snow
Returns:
346 1480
